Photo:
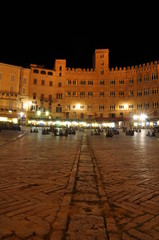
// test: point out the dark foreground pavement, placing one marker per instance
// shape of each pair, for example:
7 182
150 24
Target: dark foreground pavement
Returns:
79 187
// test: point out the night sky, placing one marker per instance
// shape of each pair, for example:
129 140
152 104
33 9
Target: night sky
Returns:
78 52
33 35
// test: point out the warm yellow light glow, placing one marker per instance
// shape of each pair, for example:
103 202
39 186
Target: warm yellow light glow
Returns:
67 123
157 122
135 117
38 112
135 124
41 122
30 103
151 123
126 106
142 117
47 113
75 123
78 106
3 119
58 122
21 114
26 105
111 125
95 124
83 124
15 120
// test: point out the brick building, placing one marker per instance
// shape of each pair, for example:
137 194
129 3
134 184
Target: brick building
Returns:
101 95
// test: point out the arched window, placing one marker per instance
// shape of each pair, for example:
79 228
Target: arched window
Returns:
50 73
35 71
43 72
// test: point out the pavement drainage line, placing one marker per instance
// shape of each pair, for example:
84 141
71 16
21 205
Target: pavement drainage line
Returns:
13 139
86 154
60 224
110 221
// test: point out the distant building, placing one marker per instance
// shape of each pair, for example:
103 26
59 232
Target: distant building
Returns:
100 95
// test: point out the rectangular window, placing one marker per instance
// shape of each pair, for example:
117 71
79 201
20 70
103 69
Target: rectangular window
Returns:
121 82
121 93
58 109
146 91
146 78
43 82
35 81
90 82
50 98
82 82
131 93
121 106
112 94
89 107
101 82
146 105
154 76
74 82
139 106
90 94
112 107
68 82
68 93
59 96
42 97
102 56
101 94
101 108
139 80
155 91
68 107
74 94
131 81
131 106
139 93
155 113
34 95
50 83
82 94
112 82
155 104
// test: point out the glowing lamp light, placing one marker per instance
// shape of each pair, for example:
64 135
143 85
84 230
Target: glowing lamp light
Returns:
126 106
135 117
78 106
38 113
143 117
21 114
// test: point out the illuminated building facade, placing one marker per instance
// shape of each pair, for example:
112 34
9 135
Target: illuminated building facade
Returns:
100 94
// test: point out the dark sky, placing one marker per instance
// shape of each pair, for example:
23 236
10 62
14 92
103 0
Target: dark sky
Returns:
78 51
36 35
